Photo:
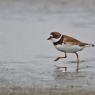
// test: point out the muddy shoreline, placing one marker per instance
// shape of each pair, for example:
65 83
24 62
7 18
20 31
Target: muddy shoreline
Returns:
42 91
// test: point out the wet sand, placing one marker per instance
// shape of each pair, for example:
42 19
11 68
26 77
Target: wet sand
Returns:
26 57
40 91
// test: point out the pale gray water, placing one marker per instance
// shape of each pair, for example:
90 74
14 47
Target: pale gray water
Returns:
26 57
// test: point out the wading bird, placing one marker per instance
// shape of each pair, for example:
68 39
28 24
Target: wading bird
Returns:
67 44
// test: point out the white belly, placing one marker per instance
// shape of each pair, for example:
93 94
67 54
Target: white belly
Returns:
68 48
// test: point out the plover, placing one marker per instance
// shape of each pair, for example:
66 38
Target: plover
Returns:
67 44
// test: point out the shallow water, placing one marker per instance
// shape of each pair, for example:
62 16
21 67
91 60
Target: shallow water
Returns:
26 57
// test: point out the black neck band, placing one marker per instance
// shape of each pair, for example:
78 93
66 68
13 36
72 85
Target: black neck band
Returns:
60 41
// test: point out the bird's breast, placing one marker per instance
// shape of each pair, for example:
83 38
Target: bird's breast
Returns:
68 48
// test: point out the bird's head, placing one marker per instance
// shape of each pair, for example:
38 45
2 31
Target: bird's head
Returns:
55 36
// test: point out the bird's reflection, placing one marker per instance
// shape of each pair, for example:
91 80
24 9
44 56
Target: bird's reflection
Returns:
60 75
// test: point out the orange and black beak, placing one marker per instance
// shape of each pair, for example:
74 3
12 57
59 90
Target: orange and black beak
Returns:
50 38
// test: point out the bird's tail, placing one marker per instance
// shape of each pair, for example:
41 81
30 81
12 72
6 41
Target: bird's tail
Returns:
87 45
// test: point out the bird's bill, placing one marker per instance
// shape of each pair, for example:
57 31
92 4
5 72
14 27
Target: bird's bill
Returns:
49 38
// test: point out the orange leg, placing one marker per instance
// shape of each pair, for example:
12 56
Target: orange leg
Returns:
77 62
60 57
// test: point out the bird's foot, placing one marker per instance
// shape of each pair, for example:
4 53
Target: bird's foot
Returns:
57 58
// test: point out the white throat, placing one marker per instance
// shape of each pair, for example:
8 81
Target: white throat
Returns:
56 40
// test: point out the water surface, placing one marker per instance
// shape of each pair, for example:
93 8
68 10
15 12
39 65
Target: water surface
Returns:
26 57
